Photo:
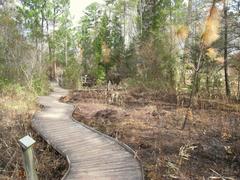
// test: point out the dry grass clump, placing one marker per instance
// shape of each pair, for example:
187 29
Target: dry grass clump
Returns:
185 152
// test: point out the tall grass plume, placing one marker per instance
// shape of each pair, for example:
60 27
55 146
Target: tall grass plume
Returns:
106 53
212 53
182 33
212 27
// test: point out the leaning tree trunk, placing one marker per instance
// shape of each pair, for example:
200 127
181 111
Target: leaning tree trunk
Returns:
54 63
194 87
238 89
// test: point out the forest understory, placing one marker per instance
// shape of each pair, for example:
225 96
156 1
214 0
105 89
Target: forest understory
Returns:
150 123
14 125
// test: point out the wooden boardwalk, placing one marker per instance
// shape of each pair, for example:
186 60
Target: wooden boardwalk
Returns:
91 155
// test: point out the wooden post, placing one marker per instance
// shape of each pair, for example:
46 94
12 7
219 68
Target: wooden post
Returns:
26 145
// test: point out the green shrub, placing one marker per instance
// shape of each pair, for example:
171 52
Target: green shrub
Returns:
17 98
100 75
3 83
40 84
13 89
71 75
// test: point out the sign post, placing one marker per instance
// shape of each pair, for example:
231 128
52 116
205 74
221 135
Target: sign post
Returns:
26 145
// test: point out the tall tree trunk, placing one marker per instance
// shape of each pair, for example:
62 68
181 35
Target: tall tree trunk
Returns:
227 86
238 91
186 45
124 25
37 50
42 39
66 51
54 63
49 49
171 29
141 16
207 80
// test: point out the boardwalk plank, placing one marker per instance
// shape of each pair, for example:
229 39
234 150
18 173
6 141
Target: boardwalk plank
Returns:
91 155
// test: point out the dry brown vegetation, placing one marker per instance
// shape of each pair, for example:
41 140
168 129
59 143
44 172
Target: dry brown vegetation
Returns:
15 118
209 146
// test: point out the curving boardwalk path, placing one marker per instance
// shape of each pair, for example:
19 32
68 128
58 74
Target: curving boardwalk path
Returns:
91 155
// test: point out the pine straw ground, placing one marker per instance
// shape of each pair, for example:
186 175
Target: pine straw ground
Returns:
16 113
208 148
